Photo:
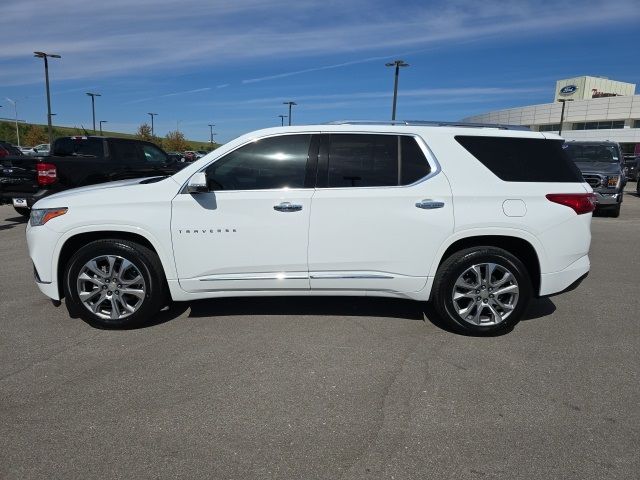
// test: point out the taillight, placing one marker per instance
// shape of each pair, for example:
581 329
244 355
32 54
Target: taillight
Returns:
46 173
3 152
579 202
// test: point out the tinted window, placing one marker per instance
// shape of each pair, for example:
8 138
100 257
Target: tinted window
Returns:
414 165
79 147
368 160
523 159
153 154
276 162
592 153
124 151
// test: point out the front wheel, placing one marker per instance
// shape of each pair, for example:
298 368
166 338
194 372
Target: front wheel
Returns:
114 283
482 290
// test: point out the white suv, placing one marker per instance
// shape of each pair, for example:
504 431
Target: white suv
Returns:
476 219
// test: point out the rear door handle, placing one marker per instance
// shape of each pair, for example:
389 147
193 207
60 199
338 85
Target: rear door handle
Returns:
287 207
429 204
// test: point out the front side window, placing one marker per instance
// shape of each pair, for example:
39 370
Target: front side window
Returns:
369 160
153 154
268 163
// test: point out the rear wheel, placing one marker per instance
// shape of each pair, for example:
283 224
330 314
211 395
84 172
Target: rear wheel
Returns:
114 283
482 290
25 212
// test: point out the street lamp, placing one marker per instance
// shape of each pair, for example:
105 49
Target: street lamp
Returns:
211 125
397 64
104 121
152 115
290 105
15 108
563 101
93 108
46 56
282 117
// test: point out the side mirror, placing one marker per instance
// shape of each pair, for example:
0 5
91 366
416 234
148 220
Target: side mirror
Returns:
198 183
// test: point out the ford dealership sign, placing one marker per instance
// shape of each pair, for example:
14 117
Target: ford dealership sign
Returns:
568 90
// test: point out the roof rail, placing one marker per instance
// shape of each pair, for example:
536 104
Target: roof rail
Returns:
429 123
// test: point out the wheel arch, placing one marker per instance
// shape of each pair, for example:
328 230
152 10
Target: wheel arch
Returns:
77 240
519 247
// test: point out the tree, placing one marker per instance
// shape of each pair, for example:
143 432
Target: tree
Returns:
175 142
35 135
144 133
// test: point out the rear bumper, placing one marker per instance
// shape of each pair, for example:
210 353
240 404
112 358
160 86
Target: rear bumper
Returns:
7 197
558 282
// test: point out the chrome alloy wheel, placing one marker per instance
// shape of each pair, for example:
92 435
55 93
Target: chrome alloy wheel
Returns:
111 287
485 294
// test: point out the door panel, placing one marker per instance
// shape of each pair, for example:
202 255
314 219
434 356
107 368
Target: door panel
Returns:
238 241
376 237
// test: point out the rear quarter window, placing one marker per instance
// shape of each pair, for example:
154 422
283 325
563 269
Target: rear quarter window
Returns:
522 159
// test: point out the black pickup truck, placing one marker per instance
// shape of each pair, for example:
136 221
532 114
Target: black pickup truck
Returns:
77 162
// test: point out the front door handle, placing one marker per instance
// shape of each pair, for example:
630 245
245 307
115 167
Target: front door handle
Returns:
287 207
429 204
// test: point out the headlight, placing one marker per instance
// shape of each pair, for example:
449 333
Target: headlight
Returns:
613 181
40 216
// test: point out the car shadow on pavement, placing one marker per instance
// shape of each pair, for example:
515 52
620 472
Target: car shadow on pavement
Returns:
13 222
326 306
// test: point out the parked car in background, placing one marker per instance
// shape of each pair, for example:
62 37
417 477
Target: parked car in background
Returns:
477 220
6 149
602 167
25 150
42 149
78 162
201 153
631 162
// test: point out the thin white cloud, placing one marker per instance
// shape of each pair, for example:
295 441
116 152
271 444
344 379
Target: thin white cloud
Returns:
102 39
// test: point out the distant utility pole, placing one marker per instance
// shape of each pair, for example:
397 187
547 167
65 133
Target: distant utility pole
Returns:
282 117
290 105
563 101
152 115
93 108
15 108
211 125
46 56
101 122
397 64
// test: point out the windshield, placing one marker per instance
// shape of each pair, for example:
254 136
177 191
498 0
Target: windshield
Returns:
592 153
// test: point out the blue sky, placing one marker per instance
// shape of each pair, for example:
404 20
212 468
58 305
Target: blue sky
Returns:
233 63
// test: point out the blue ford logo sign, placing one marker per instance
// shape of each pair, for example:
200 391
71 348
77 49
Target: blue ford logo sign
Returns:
568 90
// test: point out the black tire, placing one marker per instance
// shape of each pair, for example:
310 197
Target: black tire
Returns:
145 261
456 265
25 212
638 185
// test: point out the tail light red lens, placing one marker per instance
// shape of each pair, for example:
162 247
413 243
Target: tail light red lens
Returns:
47 173
3 152
579 202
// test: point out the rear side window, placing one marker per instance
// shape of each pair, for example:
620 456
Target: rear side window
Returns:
369 160
79 147
523 159
124 151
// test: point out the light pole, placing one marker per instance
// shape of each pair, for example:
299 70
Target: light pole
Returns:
282 117
46 56
290 105
15 109
93 108
563 101
101 122
211 125
397 64
152 115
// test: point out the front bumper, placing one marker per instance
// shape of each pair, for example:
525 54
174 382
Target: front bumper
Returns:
606 198
42 242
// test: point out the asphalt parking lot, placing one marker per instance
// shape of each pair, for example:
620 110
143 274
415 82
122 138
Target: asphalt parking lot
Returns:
325 388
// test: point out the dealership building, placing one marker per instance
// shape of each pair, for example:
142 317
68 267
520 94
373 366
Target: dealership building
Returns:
595 108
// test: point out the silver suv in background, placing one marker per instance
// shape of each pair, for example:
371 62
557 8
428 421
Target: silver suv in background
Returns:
602 167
